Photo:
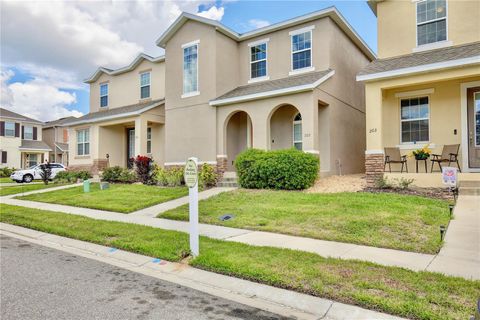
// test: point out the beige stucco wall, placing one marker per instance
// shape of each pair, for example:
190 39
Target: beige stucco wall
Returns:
124 89
11 144
397 36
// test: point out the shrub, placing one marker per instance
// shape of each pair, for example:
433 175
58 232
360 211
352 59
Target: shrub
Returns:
404 183
280 169
72 176
171 177
45 173
144 169
207 176
118 174
383 183
6 172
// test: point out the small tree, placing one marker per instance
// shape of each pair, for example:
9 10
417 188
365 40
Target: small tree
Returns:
144 169
45 172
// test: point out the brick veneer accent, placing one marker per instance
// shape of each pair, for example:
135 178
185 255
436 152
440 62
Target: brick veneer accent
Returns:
374 165
98 165
221 166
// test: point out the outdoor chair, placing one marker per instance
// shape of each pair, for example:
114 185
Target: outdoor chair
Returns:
392 155
449 154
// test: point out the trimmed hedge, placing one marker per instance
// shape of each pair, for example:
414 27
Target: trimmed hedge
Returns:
119 175
72 176
279 169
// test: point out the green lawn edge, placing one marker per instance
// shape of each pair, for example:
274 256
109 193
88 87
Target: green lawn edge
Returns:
398 291
21 188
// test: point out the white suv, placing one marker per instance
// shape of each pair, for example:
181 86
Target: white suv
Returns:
34 172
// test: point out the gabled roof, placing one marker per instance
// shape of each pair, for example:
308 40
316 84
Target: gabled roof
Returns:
272 88
4 113
331 12
63 147
437 59
131 66
34 145
116 113
59 122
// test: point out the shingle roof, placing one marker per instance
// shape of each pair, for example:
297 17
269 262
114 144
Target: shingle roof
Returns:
59 122
61 146
117 112
10 114
35 145
423 58
272 85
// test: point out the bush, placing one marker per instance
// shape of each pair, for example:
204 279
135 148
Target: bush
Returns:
143 168
401 184
71 176
119 174
6 172
280 169
207 176
172 177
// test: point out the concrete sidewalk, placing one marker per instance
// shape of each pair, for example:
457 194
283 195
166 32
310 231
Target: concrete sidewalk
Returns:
280 301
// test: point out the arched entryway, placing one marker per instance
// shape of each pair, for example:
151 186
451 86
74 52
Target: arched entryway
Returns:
286 128
238 136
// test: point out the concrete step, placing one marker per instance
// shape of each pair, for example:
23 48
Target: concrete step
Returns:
227 184
230 174
469 191
469 184
229 179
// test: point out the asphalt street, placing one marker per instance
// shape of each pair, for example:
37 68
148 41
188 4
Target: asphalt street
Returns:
37 282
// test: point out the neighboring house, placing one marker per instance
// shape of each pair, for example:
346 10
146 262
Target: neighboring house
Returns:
21 142
55 135
425 85
217 92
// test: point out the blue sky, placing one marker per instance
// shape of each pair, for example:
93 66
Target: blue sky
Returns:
72 94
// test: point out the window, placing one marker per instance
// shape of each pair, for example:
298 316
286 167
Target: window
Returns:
302 50
258 61
28 132
145 85
297 132
104 95
414 120
431 21
83 142
190 69
149 140
9 129
476 108
32 160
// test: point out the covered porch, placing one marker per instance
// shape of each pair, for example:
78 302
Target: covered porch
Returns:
32 153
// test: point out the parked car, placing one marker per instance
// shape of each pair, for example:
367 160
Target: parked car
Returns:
34 172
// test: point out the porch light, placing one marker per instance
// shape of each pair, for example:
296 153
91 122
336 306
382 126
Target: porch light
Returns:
442 232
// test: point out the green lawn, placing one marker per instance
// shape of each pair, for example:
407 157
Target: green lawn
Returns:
119 197
395 221
25 187
416 295
6 180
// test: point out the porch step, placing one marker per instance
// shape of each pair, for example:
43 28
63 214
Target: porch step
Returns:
469 188
229 180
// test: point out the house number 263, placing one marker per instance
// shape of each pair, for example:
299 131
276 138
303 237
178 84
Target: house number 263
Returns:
372 130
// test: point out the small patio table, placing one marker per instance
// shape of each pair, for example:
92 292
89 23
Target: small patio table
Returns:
424 160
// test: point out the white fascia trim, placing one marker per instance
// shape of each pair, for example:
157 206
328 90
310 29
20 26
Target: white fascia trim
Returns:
302 30
273 93
414 93
312 151
259 79
420 69
374 151
116 116
431 46
190 94
256 43
300 71
222 156
56 145
34 149
191 43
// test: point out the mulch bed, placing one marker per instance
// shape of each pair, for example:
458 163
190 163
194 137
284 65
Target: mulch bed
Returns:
436 193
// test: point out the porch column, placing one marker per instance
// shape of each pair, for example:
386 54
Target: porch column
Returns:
310 128
141 125
374 157
261 132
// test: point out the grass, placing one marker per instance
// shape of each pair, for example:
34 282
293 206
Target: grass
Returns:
6 180
123 198
25 187
416 295
394 221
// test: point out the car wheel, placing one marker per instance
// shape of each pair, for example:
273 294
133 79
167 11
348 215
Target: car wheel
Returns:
18 181
27 178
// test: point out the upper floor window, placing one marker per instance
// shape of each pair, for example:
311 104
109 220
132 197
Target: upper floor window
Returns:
83 142
258 61
28 132
104 95
9 129
145 85
190 69
431 21
301 50
415 120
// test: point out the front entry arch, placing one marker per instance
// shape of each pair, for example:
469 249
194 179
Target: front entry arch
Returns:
238 136
286 128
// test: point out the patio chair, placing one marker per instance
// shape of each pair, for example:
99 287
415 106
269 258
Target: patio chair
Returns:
449 154
392 155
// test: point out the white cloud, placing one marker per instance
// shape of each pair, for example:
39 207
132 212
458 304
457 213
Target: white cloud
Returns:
213 13
6 95
257 23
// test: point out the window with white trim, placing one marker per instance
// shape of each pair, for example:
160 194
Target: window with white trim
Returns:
149 140
104 95
302 50
297 132
258 61
28 132
32 159
9 129
415 120
83 142
431 21
190 69
145 85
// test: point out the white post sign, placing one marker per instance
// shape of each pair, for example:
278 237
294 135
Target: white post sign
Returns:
191 180
449 176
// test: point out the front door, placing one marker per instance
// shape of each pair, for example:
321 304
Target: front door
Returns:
130 147
473 108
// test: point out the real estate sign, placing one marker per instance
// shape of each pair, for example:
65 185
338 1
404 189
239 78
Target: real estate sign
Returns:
190 175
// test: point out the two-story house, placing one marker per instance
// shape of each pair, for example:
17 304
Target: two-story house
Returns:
21 142
217 92
425 86
55 135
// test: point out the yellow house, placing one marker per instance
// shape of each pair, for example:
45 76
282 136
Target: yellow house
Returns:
424 88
